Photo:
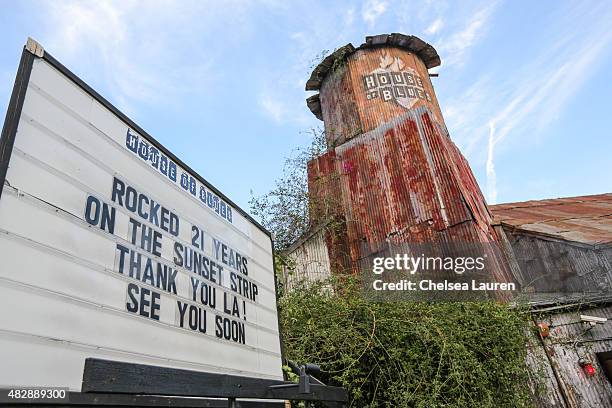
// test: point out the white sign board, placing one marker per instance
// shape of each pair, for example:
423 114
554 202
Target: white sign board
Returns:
112 248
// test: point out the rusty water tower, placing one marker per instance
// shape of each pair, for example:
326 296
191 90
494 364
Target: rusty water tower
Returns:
391 171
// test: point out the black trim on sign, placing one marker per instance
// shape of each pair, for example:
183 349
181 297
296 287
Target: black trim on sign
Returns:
100 99
278 313
13 113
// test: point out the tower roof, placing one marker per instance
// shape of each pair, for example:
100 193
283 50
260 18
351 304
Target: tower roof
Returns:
426 52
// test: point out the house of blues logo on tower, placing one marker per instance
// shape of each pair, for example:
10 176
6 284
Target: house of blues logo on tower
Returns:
170 170
393 81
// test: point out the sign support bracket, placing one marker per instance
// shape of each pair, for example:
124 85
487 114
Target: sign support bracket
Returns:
106 376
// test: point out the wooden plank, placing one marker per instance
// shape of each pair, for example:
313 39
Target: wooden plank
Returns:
107 376
120 400
317 393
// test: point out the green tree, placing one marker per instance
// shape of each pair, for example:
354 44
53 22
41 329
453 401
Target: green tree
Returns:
284 210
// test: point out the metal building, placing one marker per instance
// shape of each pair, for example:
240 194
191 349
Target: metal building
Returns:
391 173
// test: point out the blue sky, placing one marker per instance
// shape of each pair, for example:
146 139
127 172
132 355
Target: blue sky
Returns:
525 86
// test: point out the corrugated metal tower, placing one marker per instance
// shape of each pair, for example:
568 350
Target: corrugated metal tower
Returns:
391 172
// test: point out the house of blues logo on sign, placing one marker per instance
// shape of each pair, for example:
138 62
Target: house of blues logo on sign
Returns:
393 81
166 166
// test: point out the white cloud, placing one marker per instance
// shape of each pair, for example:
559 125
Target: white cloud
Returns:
273 107
455 47
372 10
435 26
547 91
281 96
85 30
349 17
518 103
466 114
491 175
138 52
541 97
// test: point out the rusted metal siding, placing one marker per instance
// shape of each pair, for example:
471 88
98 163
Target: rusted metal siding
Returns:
340 113
402 182
323 187
585 219
347 111
543 384
375 112
397 181
569 341
564 273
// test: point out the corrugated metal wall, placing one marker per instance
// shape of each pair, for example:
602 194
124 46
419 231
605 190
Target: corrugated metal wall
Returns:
543 383
552 265
346 108
404 182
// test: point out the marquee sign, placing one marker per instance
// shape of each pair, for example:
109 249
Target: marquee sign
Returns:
113 248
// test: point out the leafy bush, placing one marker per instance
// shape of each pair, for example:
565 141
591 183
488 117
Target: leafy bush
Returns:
408 354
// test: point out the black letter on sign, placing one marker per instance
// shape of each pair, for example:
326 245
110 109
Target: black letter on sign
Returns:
118 191
182 307
155 305
94 210
132 304
108 218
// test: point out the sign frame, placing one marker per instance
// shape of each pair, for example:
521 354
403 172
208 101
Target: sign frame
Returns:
33 51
